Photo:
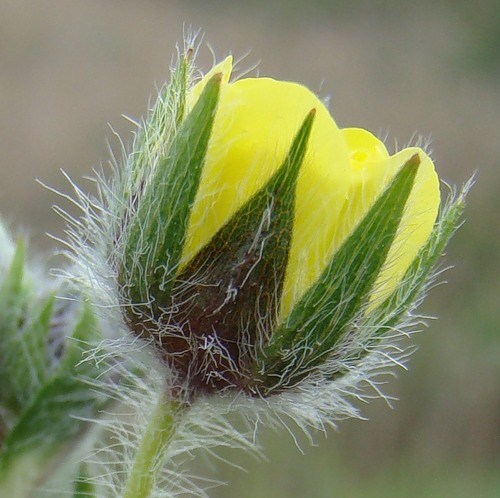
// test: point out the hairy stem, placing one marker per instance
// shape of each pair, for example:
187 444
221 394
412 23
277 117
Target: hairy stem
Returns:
150 453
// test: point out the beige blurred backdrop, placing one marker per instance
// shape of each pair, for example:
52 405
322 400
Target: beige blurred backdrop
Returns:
426 69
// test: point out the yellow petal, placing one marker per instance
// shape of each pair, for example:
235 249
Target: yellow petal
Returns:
256 121
225 67
364 148
343 173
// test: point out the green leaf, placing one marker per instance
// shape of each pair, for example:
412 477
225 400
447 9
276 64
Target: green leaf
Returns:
49 420
6 248
158 229
84 335
84 488
12 296
325 312
56 413
25 320
28 362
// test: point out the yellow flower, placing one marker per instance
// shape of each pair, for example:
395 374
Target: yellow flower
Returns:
343 173
263 245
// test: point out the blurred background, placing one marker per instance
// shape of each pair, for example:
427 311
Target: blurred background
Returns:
427 68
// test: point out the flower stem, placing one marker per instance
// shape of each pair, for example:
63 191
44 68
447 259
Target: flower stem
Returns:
150 453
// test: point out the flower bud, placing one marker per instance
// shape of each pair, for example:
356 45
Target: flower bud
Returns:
265 233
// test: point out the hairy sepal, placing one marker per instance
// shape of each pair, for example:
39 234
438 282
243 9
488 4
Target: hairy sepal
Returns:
230 292
156 233
325 312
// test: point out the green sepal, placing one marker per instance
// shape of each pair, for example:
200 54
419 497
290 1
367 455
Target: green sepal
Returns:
419 275
325 312
156 232
237 277
418 278
156 132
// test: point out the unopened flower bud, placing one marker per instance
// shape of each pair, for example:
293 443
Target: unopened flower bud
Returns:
265 232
